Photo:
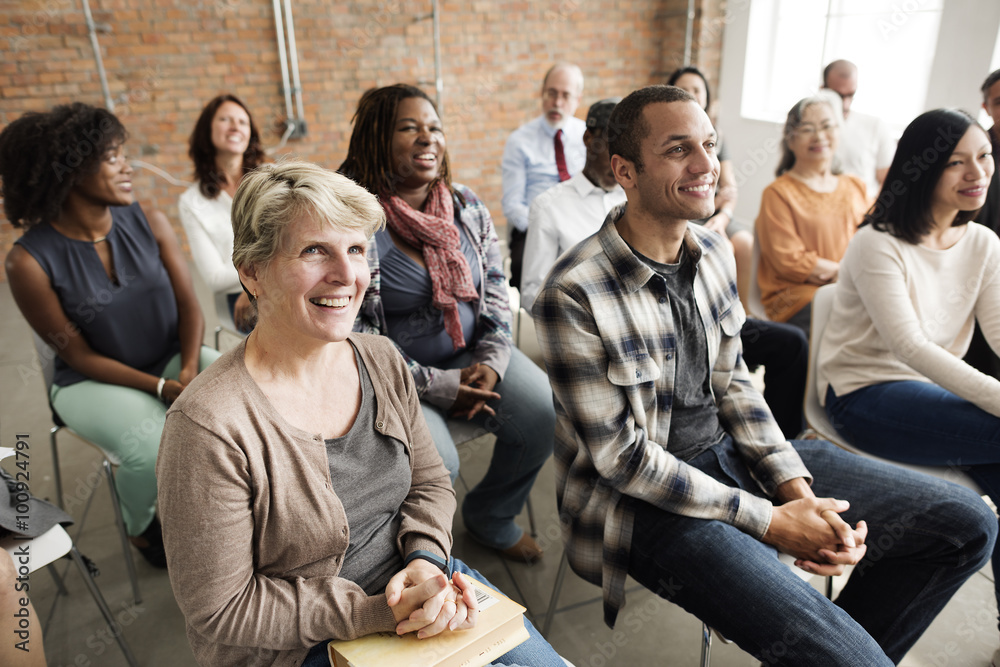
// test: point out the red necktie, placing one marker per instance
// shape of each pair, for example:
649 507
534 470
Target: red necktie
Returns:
561 157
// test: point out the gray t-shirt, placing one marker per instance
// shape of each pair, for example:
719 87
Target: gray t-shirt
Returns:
694 417
371 476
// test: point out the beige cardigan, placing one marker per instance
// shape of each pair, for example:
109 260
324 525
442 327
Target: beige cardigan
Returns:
255 534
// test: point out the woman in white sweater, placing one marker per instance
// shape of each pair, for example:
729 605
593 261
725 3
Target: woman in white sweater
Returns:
914 280
224 146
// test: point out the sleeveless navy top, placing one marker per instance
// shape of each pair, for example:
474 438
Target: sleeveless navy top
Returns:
132 319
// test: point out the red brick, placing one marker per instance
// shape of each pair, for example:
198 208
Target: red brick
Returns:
167 59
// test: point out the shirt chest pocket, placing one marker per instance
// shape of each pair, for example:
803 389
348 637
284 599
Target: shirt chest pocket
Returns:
633 371
637 378
728 346
731 322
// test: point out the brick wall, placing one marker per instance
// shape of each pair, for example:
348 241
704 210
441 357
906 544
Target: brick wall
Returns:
166 58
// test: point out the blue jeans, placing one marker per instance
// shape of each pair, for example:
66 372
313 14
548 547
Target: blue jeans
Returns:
922 424
524 426
926 537
536 652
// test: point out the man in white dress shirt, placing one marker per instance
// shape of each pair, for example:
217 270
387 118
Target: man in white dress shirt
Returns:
866 145
541 153
570 211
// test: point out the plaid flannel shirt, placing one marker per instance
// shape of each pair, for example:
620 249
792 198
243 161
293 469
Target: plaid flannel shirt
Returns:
604 324
493 342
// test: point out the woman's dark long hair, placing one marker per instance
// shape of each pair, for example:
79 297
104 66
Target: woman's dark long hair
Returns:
369 159
202 151
44 154
903 206
678 73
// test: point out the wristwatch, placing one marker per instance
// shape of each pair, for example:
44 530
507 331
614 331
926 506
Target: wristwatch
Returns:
429 557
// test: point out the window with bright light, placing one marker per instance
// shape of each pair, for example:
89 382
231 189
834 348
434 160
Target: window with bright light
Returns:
790 41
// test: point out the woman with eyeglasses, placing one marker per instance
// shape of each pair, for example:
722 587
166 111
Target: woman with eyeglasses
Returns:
807 215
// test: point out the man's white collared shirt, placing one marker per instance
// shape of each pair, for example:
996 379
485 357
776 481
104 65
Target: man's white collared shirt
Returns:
559 218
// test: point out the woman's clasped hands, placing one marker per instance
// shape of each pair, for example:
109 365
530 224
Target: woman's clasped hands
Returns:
424 601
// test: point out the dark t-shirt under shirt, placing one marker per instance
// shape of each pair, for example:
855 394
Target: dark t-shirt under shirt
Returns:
694 417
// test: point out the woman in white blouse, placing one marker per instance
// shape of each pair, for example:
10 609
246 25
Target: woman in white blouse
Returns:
224 145
914 280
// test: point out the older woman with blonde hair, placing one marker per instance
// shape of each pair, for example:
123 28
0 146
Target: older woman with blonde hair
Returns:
302 496
807 215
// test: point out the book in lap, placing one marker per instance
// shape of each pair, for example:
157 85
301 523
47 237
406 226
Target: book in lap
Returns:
499 628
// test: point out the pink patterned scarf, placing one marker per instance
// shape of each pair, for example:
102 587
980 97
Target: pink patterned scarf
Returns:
433 232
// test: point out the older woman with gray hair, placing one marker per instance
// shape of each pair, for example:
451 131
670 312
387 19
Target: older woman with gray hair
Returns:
302 497
807 215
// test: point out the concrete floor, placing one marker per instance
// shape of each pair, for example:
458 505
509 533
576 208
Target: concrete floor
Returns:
658 633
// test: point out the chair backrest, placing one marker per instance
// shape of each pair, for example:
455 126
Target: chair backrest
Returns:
815 414
755 305
816 418
46 360
222 310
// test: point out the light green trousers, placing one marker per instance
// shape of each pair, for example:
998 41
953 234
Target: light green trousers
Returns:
127 424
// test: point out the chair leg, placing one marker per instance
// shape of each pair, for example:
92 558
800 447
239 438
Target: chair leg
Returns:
517 328
706 645
120 522
113 626
60 587
55 467
218 330
554 600
531 517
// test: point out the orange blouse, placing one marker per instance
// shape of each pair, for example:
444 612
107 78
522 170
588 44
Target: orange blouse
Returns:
797 225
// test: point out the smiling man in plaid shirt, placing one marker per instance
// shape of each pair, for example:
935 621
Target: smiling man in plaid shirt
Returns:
669 465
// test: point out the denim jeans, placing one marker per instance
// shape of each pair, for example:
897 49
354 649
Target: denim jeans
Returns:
524 426
535 652
922 424
926 537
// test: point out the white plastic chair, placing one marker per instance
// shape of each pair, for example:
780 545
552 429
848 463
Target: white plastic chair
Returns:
755 305
226 323
52 545
822 306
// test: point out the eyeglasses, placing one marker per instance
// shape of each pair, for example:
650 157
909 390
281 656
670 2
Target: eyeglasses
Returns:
810 130
553 94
